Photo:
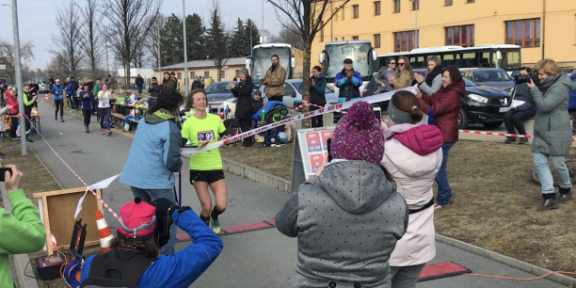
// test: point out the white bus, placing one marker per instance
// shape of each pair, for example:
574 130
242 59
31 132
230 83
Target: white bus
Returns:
290 58
360 51
507 57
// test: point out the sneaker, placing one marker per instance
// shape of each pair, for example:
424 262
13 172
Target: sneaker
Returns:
216 226
509 140
440 207
565 195
61 120
108 133
523 141
102 131
29 141
55 118
548 204
87 130
280 144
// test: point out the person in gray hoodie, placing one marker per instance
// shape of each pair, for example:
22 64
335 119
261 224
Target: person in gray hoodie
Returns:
552 130
348 217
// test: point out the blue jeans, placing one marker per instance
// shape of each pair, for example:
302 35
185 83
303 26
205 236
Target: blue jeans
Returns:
545 176
150 195
444 192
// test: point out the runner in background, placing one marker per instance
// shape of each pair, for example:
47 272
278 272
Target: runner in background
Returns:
104 109
206 167
87 98
58 91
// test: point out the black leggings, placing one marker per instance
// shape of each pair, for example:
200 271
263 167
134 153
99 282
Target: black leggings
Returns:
87 113
246 125
514 118
317 121
59 106
13 126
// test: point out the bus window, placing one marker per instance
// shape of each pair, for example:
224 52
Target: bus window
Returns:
418 62
469 60
484 59
448 59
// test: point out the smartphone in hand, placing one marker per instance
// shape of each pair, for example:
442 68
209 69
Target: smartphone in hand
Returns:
3 173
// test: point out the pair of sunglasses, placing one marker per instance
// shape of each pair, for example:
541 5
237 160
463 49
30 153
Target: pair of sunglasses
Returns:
401 64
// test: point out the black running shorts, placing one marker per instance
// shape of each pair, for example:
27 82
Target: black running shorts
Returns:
206 176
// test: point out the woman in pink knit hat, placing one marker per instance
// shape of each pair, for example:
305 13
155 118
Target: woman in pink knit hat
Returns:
348 217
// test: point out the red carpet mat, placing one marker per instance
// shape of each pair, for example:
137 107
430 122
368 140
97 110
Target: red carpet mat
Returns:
442 270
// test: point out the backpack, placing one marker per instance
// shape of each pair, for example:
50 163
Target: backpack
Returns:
114 273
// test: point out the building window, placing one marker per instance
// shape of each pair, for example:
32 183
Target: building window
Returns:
206 74
222 74
342 38
470 1
460 36
416 5
448 2
237 73
376 40
322 31
404 41
354 38
343 12
179 74
377 8
192 74
356 11
525 33
396 6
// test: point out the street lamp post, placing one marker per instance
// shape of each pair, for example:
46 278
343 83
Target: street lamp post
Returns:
416 4
18 68
185 50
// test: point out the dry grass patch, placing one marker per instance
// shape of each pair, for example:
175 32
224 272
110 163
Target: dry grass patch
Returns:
495 201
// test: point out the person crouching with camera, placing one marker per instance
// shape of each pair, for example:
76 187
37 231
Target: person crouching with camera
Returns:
523 111
552 130
133 258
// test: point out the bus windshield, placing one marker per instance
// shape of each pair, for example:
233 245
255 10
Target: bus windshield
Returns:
337 53
261 60
510 59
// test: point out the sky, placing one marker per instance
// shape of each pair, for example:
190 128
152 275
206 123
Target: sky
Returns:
36 20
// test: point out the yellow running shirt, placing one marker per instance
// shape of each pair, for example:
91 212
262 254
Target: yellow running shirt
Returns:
206 129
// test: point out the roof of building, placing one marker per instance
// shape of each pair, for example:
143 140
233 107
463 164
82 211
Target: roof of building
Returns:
207 63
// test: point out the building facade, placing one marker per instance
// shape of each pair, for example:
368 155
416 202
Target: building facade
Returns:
204 69
544 28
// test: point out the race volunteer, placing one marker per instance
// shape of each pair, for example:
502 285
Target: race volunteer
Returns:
206 167
133 258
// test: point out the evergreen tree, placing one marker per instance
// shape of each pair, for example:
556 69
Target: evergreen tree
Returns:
217 38
252 28
196 38
239 42
171 41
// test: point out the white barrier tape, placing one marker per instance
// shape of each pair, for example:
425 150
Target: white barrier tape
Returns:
500 134
323 110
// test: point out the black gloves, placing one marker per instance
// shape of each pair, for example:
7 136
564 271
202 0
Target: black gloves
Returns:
165 207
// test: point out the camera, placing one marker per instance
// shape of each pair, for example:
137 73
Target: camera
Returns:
521 79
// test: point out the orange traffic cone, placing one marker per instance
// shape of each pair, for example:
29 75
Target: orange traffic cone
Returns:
46 98
103 231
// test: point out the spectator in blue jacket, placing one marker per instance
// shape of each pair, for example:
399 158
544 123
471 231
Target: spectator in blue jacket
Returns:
71 88
133 258
157 138
58 91
349 82
520 111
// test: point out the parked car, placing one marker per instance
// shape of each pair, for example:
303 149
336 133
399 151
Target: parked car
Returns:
43 86
293 93
483 105
491 77
219 92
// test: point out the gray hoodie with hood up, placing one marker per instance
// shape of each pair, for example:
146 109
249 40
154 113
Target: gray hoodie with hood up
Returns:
347 222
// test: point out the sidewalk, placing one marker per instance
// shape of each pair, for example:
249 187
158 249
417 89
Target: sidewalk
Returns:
259 259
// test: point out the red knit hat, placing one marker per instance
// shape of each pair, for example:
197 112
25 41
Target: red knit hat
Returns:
137 220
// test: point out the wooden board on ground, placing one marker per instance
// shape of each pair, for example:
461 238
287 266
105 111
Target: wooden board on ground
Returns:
58 207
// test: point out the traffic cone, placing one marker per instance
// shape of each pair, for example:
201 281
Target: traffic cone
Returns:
54 244
103 231
46 98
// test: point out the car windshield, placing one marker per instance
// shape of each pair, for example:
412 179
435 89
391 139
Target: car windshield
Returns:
491 76
358 52
218 88
261 60
299 85
257 86
469 83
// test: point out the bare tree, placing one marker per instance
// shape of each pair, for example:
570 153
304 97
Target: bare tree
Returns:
131 22
7 58
68 38
287 36
217 38
92 39
153 40
306 18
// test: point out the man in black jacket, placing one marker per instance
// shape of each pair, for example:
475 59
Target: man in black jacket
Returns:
139 83
154 91
197 84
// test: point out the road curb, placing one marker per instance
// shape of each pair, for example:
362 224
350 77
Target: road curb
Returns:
256 175
508 261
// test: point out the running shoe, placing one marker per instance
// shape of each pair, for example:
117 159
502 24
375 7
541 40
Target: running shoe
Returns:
55 118
216 226
108 133
29 141
102 131
61 120
87 130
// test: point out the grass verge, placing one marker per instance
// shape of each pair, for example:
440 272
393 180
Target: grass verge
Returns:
495 201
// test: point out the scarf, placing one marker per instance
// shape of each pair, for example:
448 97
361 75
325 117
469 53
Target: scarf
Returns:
547 83
430 76
273 68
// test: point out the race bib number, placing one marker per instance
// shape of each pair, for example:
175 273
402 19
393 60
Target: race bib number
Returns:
205 136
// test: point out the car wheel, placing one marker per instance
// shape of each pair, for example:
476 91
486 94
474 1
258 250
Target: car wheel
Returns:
462 119
492 124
